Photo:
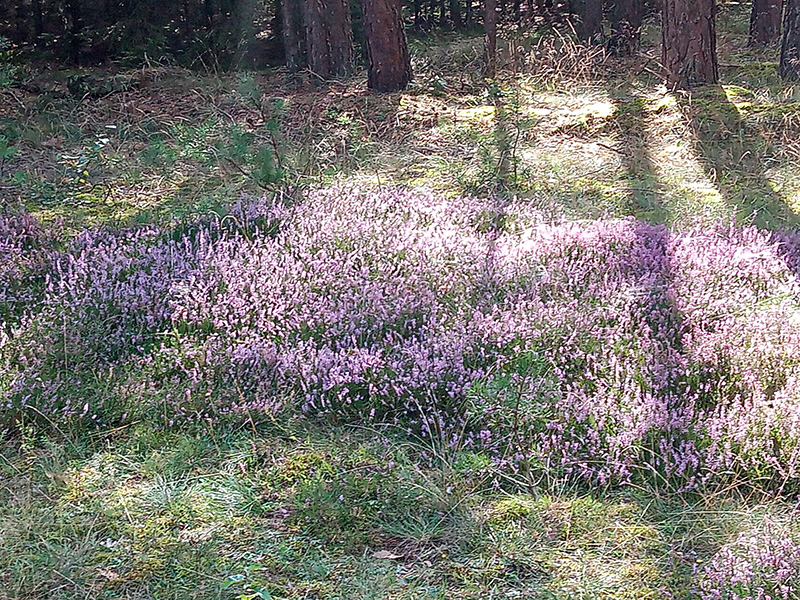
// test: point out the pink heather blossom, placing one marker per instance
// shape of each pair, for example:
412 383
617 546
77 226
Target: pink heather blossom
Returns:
598 350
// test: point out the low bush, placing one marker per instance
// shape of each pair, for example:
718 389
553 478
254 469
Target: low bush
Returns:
606 352
757 564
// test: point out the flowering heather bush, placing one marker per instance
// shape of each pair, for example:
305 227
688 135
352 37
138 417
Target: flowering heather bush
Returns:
25 250
758 565
593 350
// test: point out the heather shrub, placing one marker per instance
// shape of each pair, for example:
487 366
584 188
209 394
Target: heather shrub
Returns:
757 565
604 351
738 294
25 252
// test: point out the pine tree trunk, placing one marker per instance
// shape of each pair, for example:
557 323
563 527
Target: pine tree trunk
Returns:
387 48
765 22
74 10
21 21
38 20
588 19
329 40
689 47
790 48
490 25
319 57
293 35
626 22
340 36
455 14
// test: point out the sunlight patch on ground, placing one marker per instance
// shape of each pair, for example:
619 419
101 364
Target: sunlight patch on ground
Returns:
479 115
580 112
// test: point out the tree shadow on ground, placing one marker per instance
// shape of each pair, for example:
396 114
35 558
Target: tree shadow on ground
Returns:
644 198
734 157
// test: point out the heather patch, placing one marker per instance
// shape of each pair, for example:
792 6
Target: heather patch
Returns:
763 563
602 351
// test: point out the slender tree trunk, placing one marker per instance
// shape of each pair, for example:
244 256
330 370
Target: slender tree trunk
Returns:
38 20
75 30
790 48
588 19
765 22
21 21
387 47
340 36
490 25
689 47
293 34
455 14
319 57
329 41
626 23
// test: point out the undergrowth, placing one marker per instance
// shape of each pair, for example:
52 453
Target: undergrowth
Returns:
519 385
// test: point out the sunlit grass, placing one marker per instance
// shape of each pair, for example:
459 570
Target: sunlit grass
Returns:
169 515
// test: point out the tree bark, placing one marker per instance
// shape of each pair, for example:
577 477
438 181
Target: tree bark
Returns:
765 22
38 20
293 35
790 47
626 23
340 36
490 26
588 19
21 21
387 47
319 57
74 10
689 46
329 38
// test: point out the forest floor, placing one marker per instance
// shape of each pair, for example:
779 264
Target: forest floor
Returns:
279 512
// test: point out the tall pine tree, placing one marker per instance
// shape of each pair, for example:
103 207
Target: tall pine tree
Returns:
689 45
765 22
387 47
790 47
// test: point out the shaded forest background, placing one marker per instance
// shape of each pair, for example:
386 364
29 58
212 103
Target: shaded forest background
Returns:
222 34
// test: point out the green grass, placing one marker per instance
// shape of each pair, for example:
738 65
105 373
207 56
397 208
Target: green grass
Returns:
302 511
577 148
